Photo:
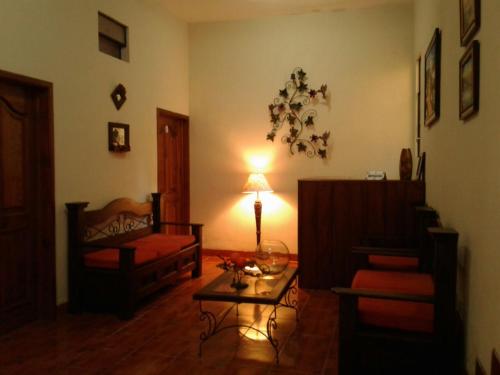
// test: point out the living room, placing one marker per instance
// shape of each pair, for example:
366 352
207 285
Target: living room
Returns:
221 65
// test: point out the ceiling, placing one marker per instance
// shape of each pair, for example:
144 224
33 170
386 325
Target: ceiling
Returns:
194 11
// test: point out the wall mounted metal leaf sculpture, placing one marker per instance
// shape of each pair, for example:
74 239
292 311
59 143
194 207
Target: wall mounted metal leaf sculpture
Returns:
289 107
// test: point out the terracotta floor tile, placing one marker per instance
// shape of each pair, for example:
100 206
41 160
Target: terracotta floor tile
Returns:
141 363
164 337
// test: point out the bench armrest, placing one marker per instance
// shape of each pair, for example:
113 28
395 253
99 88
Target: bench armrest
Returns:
126 256
368 293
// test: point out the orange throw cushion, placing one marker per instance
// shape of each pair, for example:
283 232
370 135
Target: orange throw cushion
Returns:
403 315
109 258
384 262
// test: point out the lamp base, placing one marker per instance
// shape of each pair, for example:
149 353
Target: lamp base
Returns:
258 214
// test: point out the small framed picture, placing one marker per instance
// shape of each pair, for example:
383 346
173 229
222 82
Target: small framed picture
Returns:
470 19
432 80
118 137
469 81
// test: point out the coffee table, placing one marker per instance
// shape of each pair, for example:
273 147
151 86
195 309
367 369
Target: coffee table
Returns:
277 291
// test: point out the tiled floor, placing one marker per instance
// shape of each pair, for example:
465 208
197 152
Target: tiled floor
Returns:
163 339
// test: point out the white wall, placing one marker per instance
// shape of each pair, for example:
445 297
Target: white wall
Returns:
463 178
236 68
56 40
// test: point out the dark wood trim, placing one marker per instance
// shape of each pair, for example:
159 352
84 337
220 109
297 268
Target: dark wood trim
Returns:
44 135
161 111
228 253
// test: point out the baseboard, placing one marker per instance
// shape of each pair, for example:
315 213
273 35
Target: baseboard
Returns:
227 253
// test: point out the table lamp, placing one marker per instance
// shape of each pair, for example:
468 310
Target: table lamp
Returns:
257 183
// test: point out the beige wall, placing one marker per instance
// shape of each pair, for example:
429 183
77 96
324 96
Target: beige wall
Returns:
463 173
236 69
56 40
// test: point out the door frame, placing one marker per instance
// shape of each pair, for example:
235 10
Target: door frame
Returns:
160 176
44 264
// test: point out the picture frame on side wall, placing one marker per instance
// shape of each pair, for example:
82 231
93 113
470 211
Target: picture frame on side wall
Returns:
432 80
118 137
470 20
469 82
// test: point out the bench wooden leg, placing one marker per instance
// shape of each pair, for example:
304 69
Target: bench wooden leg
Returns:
197 271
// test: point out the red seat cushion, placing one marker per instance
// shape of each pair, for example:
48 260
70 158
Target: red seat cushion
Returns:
403 315
163 244
384 262
147 248
109 258
397 282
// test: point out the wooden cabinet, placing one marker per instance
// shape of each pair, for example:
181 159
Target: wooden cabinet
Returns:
334 215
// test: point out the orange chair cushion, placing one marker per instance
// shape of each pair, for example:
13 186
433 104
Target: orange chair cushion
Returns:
147 248
109 258
397 282
403 315
384 262
163 244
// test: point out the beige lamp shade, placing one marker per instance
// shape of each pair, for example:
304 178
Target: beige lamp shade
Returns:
256 183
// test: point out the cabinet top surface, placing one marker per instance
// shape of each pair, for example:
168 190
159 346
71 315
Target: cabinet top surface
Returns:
326 179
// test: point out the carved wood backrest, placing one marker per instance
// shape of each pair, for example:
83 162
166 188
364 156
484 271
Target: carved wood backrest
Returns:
120 220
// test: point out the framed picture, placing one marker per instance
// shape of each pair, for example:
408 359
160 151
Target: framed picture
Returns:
470 19
469 81
432 80
118 137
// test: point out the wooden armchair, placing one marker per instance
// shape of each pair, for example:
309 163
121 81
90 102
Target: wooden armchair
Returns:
403 254
401 323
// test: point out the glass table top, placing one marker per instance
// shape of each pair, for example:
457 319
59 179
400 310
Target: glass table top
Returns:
267 289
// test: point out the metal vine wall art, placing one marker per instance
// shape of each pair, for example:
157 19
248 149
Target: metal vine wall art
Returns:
290 107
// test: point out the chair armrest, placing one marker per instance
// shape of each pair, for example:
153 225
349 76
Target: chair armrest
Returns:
387 251
385 241
382 295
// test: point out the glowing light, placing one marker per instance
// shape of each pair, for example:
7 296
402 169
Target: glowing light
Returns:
258 162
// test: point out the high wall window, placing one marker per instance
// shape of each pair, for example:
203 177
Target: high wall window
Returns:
113 37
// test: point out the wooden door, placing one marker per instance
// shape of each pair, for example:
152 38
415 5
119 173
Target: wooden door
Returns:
26 250
173 167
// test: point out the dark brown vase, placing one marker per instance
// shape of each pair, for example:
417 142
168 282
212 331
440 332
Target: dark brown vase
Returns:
405 164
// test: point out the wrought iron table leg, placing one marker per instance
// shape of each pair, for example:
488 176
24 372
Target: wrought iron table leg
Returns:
289 301
214 326
272 325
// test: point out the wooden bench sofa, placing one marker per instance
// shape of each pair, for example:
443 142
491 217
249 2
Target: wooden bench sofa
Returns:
118 255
